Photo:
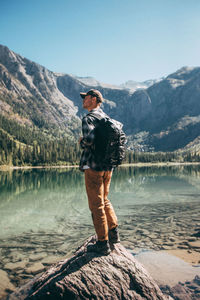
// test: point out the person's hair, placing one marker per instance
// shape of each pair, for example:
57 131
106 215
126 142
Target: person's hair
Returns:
98 100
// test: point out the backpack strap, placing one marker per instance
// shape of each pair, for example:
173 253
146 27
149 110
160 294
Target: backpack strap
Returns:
97 116
106 117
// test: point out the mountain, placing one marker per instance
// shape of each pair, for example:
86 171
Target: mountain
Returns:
90 81
38 124
168 111
134 85
44 105
29 94
130 85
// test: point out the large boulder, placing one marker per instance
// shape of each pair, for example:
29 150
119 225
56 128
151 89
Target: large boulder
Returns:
87 275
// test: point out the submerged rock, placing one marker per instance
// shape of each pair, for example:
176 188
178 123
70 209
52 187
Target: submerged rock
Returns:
5 284
15 266
36 268
87 275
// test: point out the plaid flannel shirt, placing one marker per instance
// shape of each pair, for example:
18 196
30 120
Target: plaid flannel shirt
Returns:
88 125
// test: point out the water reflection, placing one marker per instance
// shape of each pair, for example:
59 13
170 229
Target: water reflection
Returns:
43 199
19 181
39 199
44 212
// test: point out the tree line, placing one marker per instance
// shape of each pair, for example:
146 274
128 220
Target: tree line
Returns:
25 145
151 157
66 152
22 145
46 153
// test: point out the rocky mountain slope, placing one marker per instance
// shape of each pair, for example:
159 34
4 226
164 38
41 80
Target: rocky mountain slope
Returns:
163 117
130 85
170 110
30 96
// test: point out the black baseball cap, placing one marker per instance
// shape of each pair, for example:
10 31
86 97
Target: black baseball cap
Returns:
93 93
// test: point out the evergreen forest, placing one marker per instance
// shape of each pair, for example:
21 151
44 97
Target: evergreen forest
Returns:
26 146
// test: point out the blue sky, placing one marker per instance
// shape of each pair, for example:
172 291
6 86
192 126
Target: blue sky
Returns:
111 40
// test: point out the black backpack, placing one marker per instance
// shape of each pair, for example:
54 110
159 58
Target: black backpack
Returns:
109 142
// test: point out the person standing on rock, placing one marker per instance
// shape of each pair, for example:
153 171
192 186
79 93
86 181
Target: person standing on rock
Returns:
97 177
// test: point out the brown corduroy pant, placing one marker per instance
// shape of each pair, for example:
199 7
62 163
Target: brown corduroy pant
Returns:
103 215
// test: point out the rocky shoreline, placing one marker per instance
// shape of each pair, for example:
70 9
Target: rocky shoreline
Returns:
88 275
26 261
163 227
172 228
27 257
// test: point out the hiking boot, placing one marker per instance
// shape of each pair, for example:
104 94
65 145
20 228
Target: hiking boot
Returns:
100 247
113 236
